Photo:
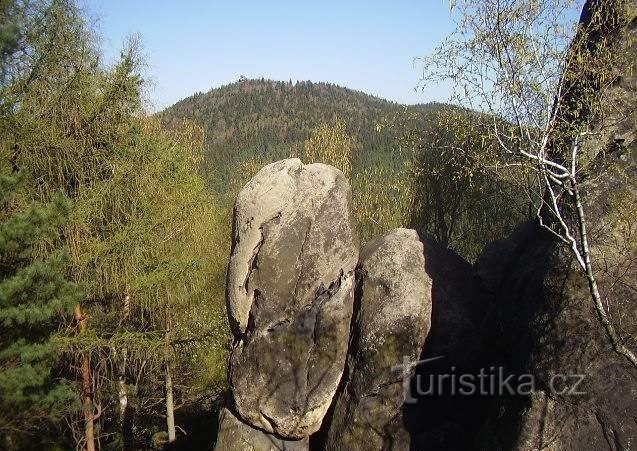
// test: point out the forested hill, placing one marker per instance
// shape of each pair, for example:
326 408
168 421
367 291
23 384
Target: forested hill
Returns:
263 120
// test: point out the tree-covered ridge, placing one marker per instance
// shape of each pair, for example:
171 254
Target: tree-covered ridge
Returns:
268 120
279 111
390 152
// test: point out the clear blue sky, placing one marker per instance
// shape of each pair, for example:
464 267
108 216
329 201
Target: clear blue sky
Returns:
193 46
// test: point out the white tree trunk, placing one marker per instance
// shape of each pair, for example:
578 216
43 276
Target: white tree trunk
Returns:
122 393
592 284
121 387
170 406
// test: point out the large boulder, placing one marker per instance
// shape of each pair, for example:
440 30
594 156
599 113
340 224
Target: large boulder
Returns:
235 435
392 319
290 295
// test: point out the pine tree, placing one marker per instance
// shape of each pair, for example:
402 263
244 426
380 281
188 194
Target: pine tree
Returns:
34 298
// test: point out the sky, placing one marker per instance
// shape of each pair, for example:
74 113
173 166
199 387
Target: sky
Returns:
193 46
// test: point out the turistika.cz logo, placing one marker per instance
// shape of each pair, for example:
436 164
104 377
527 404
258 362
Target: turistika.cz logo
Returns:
491 381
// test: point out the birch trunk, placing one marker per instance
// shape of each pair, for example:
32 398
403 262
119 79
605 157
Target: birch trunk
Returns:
121 387
121 371
614 337
87 390
170 405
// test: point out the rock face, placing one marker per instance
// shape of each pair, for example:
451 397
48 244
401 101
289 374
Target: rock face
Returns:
552 329
391 322
458 343
290 295
235 435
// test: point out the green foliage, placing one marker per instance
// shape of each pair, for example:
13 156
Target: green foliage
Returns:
35 296
146 239
9 31
255 122
424 166
464 196
382 199
263 120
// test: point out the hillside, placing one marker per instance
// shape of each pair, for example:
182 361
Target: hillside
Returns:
267 120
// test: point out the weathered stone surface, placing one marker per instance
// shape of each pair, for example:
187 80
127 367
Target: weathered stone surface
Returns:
235 435
444 419
392 319
548 327
290 295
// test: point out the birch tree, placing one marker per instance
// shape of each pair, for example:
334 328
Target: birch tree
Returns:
461 198
543 76
330 143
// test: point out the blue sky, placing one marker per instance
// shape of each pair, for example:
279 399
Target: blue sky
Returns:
193 46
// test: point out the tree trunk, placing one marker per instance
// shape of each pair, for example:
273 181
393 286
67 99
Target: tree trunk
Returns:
121 389
87 389
612 333
170 405
125 414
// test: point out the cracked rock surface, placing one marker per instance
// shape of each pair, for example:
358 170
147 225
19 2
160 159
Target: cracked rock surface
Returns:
290 295
235 435
392 320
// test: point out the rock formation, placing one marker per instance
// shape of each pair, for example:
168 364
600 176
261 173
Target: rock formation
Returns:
290 302
391 322
290 295
523 308
549 328
235 435
458 343
545 312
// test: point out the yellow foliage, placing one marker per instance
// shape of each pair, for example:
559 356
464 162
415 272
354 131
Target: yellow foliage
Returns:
382 199
331 144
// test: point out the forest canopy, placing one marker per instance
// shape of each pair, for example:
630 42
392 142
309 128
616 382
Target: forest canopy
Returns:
138 242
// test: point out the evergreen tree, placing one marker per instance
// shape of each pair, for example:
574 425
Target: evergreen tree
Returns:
143 231
34 298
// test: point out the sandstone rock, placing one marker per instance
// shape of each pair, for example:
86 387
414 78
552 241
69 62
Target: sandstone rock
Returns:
546 319
548 327
235 435
290 295
458 343
391 323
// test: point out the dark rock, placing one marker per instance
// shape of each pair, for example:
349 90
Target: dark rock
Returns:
550 328
545 313
457 344
290 295
390 326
